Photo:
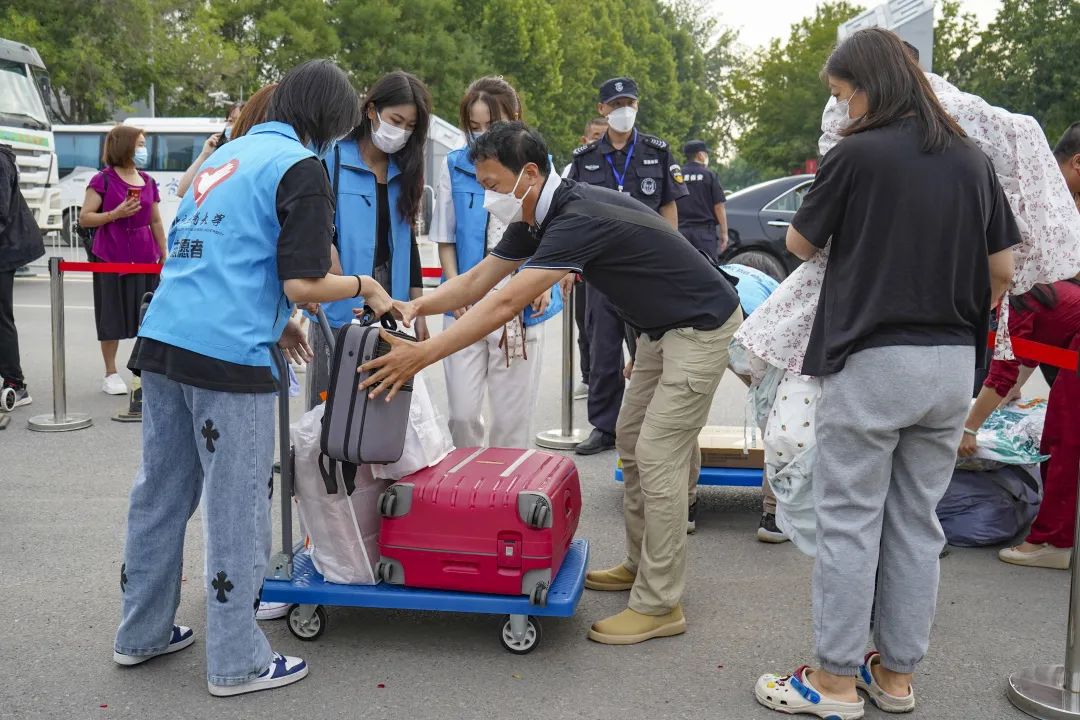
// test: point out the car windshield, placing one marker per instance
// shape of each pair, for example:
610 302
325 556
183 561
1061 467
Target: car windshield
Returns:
20 99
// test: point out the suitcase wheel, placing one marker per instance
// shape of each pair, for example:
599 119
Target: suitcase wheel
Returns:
540 515
539 595
522 639
7 399
310 628
386 504
385 572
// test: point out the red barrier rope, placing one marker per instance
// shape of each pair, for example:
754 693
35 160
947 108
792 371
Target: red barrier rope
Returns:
107 267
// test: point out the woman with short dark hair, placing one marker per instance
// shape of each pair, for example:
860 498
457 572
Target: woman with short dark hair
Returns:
920 237
122 203
251 238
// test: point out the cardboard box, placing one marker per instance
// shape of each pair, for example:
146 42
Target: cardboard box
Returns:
724 446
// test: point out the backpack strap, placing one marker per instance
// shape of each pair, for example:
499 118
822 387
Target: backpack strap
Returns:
329 472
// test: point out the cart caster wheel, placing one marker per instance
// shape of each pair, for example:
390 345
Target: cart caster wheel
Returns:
310 630
539 595
7 399
527 643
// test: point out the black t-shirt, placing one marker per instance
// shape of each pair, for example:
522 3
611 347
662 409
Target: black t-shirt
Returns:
699 207
654 277
911 232
382 238
305 209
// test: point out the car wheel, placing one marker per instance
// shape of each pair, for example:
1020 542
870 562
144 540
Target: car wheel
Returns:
760 260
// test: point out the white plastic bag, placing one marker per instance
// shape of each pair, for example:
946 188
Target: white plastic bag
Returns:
790 448
343 530
427 439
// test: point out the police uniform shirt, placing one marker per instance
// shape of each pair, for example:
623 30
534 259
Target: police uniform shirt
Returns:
698 207
305 209
653 177
655 279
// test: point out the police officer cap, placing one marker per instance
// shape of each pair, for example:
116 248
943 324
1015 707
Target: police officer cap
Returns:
693 147
619 87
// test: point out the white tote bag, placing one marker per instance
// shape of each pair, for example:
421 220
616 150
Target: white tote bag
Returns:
427 439
342 529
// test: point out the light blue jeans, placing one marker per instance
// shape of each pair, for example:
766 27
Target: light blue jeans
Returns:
220 446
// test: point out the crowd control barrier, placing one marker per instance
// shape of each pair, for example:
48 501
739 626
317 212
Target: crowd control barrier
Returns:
1052 692
566 437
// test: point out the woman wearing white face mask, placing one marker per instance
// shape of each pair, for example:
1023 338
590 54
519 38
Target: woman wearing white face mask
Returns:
467 224
377 174
122 203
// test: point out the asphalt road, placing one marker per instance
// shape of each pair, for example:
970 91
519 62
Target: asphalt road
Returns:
63 501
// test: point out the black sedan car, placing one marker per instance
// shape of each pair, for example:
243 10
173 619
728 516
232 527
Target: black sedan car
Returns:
758 219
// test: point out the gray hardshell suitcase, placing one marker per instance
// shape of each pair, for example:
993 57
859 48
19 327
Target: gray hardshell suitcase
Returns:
357 430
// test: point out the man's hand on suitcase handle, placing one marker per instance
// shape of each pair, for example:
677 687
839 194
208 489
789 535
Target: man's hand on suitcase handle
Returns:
389 372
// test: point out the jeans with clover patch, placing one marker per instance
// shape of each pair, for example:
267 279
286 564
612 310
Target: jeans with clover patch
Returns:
217 446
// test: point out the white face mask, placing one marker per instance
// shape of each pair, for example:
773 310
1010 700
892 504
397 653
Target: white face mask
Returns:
389 138
506 206
622 120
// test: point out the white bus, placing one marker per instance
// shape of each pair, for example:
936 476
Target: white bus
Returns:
173 144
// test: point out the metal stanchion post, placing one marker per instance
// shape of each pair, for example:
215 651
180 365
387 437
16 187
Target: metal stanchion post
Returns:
60 420
1052 692
567 437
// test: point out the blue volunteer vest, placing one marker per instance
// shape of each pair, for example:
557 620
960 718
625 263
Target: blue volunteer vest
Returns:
220 294
470 225
355 219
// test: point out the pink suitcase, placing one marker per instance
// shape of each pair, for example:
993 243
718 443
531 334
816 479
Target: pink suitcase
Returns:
488 520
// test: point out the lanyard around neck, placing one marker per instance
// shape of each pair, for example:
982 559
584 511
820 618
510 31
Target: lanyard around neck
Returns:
621 176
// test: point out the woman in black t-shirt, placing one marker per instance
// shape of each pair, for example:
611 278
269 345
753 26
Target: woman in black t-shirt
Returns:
919 233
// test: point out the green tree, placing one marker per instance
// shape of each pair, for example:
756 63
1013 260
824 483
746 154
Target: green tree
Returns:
95 51
1027 61
779 98
955 32
429 38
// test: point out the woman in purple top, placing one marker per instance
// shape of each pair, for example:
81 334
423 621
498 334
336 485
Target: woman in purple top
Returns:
122 203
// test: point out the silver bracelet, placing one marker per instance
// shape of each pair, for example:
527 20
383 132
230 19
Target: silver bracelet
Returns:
972 433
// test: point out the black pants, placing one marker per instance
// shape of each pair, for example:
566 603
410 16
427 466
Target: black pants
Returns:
703 237
606 383
10 370
581 299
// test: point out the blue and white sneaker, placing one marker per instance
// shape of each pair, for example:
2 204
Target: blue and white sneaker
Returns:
182 637
794 695
282 671
882 700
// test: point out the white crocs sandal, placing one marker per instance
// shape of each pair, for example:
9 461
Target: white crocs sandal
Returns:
793 694
882 700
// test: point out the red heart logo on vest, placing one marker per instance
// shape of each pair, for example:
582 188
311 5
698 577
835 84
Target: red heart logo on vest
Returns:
210 178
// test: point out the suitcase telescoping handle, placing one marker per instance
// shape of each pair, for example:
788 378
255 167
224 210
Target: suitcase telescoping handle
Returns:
368 318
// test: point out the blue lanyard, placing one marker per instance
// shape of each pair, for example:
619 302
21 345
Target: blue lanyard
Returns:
620 176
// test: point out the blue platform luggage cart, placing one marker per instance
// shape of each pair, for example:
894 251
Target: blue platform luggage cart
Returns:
292 577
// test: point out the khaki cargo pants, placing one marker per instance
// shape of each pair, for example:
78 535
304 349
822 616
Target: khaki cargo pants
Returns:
664 408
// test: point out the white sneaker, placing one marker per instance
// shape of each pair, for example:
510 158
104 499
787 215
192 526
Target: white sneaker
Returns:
114 385
271 611
282 671
182 637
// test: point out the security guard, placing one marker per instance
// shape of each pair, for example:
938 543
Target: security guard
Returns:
701 212
642 166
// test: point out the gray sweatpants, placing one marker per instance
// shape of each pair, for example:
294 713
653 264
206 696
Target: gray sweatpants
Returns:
888 426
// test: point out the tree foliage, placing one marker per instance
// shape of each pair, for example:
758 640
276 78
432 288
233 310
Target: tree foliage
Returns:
778 97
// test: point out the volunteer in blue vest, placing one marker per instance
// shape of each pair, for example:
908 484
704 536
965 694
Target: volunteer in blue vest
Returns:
506 363
252 236
377 175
